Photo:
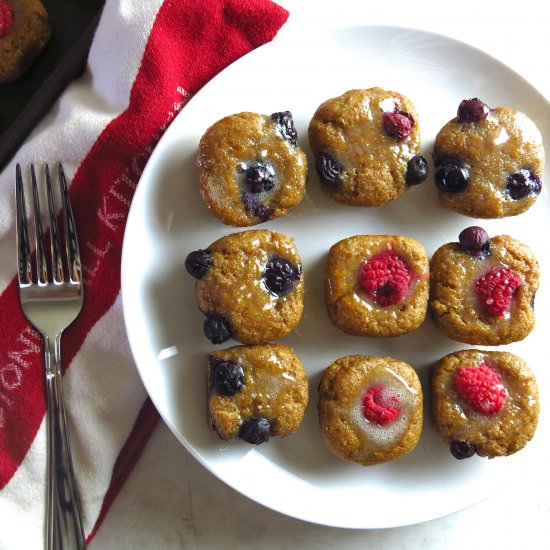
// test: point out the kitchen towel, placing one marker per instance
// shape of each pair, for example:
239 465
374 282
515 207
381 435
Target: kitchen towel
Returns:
147 60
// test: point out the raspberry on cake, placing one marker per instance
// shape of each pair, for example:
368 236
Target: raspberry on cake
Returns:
256 392
366 145
484 402
483 289
24 33
250 168
489 161
370 408
377 285
249 285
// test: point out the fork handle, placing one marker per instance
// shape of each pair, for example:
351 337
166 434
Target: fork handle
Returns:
63 517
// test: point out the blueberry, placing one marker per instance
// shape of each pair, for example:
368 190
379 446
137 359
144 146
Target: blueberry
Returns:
217 328
417 170
253 204
474 240
285 124
523 183
452 177
255 430
329 170
227 377
472 110
259 177
198 262
280 275
462 449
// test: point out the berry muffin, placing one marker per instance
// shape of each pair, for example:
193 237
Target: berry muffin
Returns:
483 290
255 392
250 168
249 286
24 33
489 161
484 402
366 145
377 285
370 408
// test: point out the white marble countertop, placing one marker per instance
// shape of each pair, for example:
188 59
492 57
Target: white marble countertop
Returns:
170 501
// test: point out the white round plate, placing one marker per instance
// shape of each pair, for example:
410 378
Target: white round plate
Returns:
297 475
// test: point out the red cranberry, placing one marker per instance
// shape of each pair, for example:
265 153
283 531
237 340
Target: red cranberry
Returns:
474 240
6 18
398 124
472 110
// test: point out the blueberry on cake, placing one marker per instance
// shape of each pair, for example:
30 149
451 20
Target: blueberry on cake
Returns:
489 162
256 392
366 145
249 286
251 168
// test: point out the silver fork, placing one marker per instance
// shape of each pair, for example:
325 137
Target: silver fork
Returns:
51 299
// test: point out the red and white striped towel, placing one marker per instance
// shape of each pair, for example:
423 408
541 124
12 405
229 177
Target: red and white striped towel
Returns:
147 60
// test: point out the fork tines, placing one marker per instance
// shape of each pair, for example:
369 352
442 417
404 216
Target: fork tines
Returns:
73 269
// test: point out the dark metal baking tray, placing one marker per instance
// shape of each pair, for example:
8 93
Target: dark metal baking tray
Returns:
23 103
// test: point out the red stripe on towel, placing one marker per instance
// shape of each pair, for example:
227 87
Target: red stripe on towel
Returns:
189 43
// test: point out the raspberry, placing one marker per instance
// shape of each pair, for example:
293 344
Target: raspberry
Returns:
482 388
6 18
380 407
385 278
496 289
398 124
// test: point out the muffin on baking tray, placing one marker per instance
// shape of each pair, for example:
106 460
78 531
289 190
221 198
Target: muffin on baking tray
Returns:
250 168
370 408
377 285
484 402
249 285
489 162
483 289
256 392
24 33
366 145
